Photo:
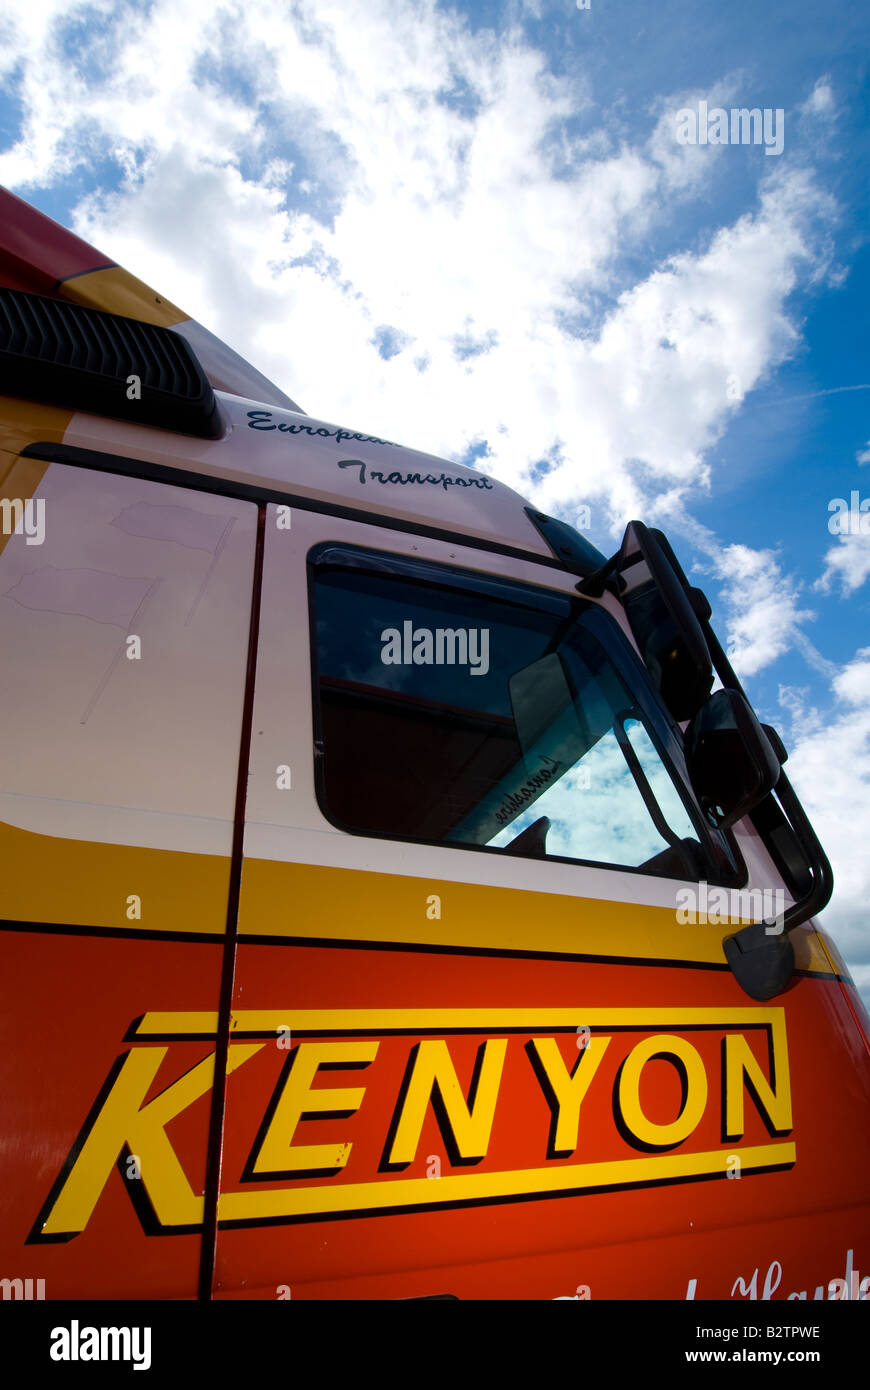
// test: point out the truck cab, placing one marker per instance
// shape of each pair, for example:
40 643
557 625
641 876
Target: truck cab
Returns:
400 897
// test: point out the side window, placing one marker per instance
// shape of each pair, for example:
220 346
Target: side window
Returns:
469 710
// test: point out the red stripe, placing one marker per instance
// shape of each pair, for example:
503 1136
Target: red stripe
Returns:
36 253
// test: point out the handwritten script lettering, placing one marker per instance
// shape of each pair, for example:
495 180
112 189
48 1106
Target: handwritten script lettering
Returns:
515 802
260 420
440 480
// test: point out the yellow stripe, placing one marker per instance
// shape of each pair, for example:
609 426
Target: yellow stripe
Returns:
476 1187
118 292
48 879
324 903
263 1022
835 961
25 422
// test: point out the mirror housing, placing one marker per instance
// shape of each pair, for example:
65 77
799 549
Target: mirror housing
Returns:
662 618
731 763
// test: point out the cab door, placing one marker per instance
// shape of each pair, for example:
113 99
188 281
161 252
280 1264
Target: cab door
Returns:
495 1048
377 919
125 609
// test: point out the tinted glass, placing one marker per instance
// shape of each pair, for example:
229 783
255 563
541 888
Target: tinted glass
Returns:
466 714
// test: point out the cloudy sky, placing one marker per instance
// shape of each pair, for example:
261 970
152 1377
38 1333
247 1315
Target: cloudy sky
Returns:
478 229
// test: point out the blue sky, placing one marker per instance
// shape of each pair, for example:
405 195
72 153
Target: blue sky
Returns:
472 229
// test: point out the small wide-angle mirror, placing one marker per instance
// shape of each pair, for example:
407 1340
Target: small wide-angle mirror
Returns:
730 759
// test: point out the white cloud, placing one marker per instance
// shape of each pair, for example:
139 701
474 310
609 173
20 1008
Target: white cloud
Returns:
863 455
820 102
761 614
437 216
683 162
762 610
848 562
829 766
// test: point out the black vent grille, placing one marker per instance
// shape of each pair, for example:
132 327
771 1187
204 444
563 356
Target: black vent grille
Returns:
66 354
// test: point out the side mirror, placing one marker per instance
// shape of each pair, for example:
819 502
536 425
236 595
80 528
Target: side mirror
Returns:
731 762
662 618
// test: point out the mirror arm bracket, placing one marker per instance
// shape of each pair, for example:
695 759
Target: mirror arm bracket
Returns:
594 584
823 879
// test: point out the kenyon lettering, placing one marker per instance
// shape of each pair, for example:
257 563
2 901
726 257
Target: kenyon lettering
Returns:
259 420
441 480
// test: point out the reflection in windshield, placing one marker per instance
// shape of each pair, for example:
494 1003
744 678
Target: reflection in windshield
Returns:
597 813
